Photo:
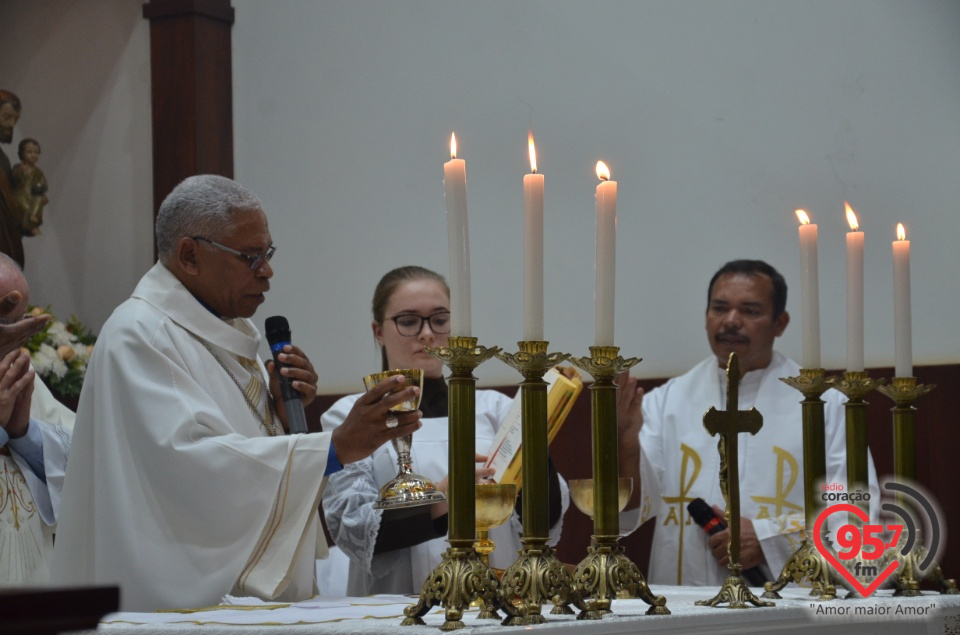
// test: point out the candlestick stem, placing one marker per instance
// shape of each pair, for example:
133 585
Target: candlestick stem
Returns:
856 385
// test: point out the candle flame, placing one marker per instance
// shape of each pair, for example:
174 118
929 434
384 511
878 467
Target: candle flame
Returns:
901 232
533 153
802 217
453 146
851 217
603 172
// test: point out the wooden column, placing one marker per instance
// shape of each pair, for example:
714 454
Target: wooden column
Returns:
191 83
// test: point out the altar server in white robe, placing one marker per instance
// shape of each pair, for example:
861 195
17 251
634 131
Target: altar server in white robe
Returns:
393 551
664 443
34 443
182 486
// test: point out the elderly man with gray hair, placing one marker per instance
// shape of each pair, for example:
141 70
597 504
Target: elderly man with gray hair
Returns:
183 486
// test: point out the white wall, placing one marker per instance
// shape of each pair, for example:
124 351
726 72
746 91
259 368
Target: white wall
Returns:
82 72
718 119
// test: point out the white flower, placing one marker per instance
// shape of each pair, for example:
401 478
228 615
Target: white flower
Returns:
59 334
47 362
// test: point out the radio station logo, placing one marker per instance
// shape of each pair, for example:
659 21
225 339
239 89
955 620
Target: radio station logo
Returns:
868 553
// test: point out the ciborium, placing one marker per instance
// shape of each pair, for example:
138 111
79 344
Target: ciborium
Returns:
408 489
495 503
581 493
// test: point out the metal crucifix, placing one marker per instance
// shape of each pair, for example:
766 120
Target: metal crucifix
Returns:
728 424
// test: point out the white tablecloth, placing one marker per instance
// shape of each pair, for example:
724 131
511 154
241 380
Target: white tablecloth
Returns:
796 613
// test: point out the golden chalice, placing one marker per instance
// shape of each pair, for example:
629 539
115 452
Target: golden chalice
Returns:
581 492
495 503
407 489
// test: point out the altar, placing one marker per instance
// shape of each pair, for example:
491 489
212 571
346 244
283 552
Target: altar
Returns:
797 612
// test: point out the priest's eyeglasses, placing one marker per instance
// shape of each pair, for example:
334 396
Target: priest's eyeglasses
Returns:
255 262
411 324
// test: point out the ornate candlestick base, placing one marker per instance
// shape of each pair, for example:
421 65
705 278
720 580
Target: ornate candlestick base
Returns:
806 563
538 576
734 593
904 391
461 575
606 570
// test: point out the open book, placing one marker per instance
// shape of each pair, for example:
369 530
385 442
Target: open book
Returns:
563 387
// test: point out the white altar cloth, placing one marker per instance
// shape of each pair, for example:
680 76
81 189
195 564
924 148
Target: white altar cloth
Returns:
797 613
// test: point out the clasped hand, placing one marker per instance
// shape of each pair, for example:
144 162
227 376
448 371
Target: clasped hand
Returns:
16 390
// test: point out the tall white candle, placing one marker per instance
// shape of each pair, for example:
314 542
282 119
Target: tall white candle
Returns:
854 293
902 328
532 250
809 291
458 241
606 256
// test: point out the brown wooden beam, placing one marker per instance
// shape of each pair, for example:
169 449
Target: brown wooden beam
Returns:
191 83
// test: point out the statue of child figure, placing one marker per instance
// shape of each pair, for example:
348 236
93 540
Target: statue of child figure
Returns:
29 187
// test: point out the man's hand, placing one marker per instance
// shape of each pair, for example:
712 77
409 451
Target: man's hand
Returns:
629 423
300 370
13 336
16 382
365 428
751 555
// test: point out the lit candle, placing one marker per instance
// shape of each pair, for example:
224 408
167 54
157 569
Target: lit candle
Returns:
902 334
809 291
854 293
606 255
458 241
532 250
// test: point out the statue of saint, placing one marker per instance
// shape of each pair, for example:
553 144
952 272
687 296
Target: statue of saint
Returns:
11 232
29 187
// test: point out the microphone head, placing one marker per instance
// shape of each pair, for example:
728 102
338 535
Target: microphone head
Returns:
277 329
700 511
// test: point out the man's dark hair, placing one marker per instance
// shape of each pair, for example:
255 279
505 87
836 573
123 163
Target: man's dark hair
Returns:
755 268
6 97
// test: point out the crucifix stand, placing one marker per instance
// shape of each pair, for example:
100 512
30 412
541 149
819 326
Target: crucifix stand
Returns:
728 424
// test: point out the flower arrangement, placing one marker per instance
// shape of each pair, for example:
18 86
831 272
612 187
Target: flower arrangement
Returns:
60 352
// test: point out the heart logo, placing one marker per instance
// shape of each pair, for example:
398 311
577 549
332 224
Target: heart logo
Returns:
826 553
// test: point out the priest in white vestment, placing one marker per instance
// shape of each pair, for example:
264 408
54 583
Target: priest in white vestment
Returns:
182 485
677 461
33 456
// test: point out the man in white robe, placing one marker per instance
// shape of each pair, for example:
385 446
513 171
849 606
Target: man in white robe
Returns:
665 446
182 486
34 443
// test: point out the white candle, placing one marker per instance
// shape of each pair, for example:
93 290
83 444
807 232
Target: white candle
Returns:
458 241
606 256
854 293
902 333
533 250
809 291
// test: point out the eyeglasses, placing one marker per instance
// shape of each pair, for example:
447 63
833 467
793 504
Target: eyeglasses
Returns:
255 262
411 324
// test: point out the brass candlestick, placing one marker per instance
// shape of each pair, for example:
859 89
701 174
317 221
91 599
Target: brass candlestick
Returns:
461 576
606 570
904 391
537 576
728 424
856 385
807 563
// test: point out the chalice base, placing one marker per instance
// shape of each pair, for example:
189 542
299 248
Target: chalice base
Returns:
408 490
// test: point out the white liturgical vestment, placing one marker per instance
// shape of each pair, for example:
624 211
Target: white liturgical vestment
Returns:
175 489
680 462
28 505
352 492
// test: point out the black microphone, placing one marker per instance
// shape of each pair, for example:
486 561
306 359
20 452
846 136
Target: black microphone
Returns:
278 336
703 515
